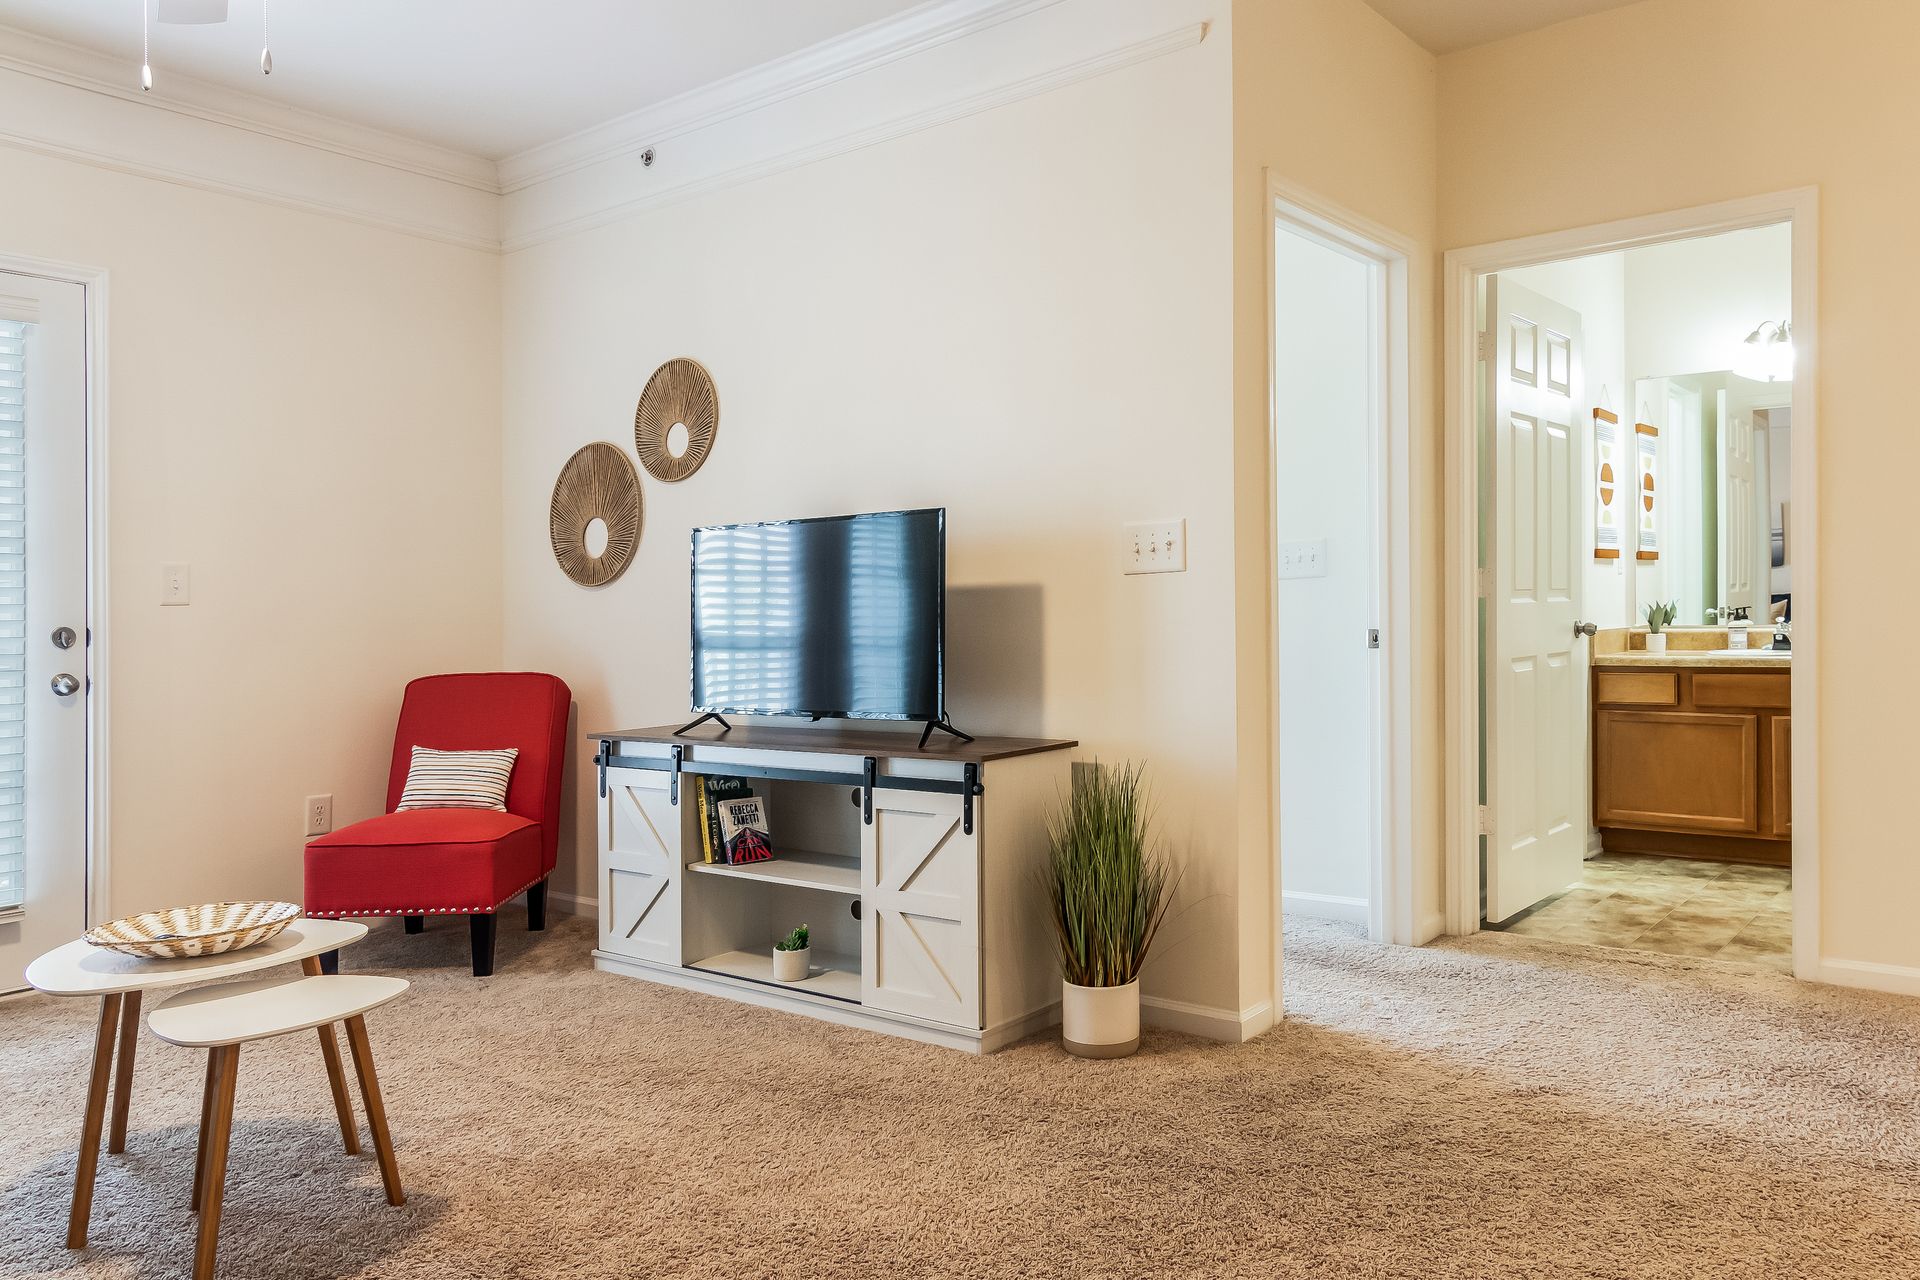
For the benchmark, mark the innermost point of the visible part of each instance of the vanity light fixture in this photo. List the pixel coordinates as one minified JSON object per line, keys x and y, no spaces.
{"x":1766,"y":355}
{"x":194,"y":13}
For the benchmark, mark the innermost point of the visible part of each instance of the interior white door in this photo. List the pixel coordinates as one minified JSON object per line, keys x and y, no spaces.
{"x":1743,"y":574}
{"x":43,"y":589}
{"x":920,"y":908}
{"x":1536,"y":682}
{"x":640,"y":840}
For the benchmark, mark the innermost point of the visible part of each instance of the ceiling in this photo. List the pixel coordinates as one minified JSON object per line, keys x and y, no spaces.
{"x":485,"y":77}
{"x":1444,"y":26}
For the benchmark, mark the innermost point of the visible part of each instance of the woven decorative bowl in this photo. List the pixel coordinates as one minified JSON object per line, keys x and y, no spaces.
{"x":209,"y":930}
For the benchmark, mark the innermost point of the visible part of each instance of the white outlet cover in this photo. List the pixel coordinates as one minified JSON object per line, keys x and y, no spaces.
{"x":1154,"y":546}
{"x":1306,"y":559}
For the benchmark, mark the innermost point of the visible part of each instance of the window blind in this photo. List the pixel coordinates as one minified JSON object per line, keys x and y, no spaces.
{"x":13,"y":611}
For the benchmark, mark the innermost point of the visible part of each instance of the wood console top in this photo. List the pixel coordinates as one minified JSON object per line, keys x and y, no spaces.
{"x":849,"y":742}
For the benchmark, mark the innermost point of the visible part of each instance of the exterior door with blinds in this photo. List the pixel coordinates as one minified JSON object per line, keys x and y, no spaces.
{"x":43,"y":621}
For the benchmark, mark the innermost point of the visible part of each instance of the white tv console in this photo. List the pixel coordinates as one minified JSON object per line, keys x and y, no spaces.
{"x":917,"y":871}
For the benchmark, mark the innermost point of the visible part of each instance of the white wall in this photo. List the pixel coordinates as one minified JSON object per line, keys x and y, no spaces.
{"x":1690,"y":302}
{"x":1023,"y":316}
{"x":306,"y":410}
{"x":1323,"y":375}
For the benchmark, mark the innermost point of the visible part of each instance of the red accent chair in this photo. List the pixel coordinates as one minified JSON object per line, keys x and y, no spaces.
{"x":429,"y":862}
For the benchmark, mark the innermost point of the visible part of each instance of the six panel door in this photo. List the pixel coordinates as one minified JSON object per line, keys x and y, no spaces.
{"x":920,"y":909}
{"x":641,"y":866}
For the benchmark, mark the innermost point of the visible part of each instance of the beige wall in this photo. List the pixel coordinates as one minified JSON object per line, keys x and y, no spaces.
{"x":1334,"y":99}
{"x":1023,"y":316}
{"x":307,"y":411}
{"x":1692,"y":101}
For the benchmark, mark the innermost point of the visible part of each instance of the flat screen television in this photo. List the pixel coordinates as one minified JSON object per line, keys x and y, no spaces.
{"x":843,"y":616}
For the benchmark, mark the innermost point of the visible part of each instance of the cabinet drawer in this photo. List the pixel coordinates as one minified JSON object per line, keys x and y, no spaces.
{"x":1677,"y":771}
{"x":1637,"y":688}
{"x":1765,"y":689}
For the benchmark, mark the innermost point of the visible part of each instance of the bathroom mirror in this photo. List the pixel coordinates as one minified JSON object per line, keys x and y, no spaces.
{"x":1724,"y":495}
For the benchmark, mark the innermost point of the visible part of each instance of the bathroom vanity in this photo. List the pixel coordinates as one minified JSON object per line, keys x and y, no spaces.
{"x":1693,"y":748}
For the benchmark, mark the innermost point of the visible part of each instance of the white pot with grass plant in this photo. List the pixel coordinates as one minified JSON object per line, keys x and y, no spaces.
{"x":1109,"y":882}
{"x":792,"y":956}
{"x":1659,"y":618}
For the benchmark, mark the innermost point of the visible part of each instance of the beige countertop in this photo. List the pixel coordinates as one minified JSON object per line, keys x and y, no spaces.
{"x":1764,"y":661}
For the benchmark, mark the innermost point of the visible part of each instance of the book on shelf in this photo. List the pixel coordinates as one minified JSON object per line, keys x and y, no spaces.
{"x":700,"y":809}
{"x":745,"y":835}
{"x":712,"y":791}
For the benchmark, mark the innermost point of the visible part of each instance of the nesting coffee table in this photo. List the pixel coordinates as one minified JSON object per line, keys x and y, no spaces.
{"x":81,"y":969}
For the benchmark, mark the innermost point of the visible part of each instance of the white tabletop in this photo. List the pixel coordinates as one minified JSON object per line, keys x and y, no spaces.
{"x":82,"y":969}
{"x":238,"y":1012}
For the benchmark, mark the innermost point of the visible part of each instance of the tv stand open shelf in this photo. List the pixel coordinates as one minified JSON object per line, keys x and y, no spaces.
{"x":915,"y":868}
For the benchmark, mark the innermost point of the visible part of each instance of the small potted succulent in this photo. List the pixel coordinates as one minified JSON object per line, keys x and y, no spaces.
{"x":1108,"y":881}
{"x":791,"y":956}
{"x":1659,"y":618}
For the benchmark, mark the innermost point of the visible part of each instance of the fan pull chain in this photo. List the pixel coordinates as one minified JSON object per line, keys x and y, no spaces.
{"x":146,"y":53}
{"x":266,"y":43}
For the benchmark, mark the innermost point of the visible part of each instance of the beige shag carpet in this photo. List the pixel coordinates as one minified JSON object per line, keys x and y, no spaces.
{"x":1497,"y":1107}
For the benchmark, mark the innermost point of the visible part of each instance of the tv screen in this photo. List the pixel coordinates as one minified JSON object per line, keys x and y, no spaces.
{"x":842,"y":616}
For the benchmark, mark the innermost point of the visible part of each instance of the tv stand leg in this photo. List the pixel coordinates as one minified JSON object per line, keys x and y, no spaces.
{"x":944,"y":727}
{"x":695,"y":724}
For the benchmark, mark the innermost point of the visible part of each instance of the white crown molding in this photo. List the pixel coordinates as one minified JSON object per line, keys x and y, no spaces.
{"x":62,"y":63}
{"x":917,"y":30}
{"x":541,"y":230}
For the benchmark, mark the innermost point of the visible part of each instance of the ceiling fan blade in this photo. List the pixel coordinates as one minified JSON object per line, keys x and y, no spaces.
{"x":193,"y":12}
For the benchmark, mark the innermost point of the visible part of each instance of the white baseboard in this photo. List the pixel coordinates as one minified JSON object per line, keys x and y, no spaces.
{"x":1431,"y":926}
{"x":1895,"y":979}
{"x":1594,"y":847}
{"x":1324,"y":906}
{"x":1204,"y":1020}
{"x":573,"y":904}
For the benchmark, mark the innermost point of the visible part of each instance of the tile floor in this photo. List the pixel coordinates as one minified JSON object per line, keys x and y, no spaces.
{"x":1679,"y":906}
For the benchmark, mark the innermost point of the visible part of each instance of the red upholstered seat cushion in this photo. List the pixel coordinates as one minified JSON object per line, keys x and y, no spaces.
{"x":423,"y":862}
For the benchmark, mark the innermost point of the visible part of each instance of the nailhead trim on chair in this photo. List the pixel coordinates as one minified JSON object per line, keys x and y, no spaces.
{"x":427,"y":911}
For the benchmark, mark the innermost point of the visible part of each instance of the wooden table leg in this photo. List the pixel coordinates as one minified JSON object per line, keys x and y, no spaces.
{"x":376,"y":1109}
{"x":208,"y":1242}
{"x":209,"y":1099}
{"x":336,"y":1074}
{"x":89,"y":1156}
{"x":123,"y":1073}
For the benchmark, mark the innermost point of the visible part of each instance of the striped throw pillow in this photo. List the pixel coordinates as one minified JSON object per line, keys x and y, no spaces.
{"x":458,"y":779}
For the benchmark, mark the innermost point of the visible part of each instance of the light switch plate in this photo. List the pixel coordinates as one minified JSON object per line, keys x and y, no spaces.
{"x":1155,"y":546}
{"x":1302,"y":559}
{"x":176,"y":583}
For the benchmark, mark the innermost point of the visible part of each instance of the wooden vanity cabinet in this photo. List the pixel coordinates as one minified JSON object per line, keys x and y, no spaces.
{"x":1693,"y":761}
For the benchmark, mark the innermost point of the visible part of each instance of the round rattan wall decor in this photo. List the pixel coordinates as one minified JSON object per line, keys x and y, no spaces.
{"x":598,"y":483}
{"x":679,"y":395}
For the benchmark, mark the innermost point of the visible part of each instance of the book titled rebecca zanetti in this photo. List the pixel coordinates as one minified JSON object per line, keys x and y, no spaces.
{"x":744,"y":834}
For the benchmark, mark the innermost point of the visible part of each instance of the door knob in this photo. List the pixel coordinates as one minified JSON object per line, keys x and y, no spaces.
{"x":64,"y":684}
{"x":1584,"y":628}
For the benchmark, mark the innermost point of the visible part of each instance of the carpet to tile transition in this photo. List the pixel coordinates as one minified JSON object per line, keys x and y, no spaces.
{"x":1494,"y":1107}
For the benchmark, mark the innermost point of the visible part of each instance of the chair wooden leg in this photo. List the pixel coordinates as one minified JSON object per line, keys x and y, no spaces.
{"x":211,"y":1195}
{"x":376,"y":1109}
{"x":537,"y":907}
{"x":89,"y":1156}
{"x":209,"y":1100}
{"x":123,"y":1072}
{"x":415,"y":924}
{"x":483,"y":927}
{"x":336,"y":1075}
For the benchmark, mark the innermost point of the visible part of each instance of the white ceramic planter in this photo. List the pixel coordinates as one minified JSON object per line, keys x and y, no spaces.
{"x":1657,"y":642}
{"x":791,"y":966}
{"x":1100,"y":1022}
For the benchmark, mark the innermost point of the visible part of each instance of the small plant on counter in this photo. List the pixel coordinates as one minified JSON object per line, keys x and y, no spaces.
{"x":1661,"y":616}
{"x":795,"y":941}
